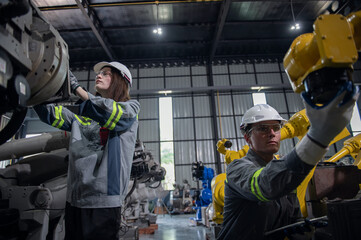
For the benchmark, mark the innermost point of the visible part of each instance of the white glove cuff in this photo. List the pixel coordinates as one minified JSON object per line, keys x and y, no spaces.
{"x":310,"y":152}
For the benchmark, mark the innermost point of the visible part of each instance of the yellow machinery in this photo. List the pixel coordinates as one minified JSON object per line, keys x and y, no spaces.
{"x":351,"y":147}
{"x":231,"y":155}
{"x":297,"y":126}
{"x":320,"y":63}
{"x":217,"y":185}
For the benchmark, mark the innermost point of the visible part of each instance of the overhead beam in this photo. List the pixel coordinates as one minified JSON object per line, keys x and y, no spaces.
{"x":219,"y":27}
{"x":284,"y":1}
{"x":140,"y":27}
{"x":160,"y":61}
{"x":124,"y":3}
{"x":204,"y":25}
{"x":148,"y":44}
{"x":93,"y":22}
{"x":179,"y":43}
{"x":257,"y":39}
{"x":254,"y":88}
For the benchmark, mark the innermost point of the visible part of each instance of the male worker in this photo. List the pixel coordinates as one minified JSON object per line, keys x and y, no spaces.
{"x":259,"y":190}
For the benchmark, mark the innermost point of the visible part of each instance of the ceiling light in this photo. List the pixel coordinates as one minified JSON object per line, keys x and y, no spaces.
{"x":157,"y":31}
{"x":256,"y":88}
{"x":295,"y":26}
{"x":260,"y":88}
{"x":165,"y":92}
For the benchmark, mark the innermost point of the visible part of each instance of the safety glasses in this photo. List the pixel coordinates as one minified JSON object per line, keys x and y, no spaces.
{"x":103,"y":73}
{"x":266,"y":128}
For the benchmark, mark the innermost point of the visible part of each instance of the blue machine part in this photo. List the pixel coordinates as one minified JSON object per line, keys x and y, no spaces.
{"x":206,"y":193}
{"x":205,"y":197}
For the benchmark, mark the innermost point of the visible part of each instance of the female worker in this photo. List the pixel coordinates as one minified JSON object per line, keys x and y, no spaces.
{"x":101,"y":149}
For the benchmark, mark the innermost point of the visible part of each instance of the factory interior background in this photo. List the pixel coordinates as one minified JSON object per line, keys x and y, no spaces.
{"x":197,"y":66}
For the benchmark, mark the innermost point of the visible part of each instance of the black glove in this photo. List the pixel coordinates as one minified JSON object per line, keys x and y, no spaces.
{"x":73,"y":82}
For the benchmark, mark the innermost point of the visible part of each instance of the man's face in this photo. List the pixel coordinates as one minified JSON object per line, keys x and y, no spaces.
{"x":264,"y":137}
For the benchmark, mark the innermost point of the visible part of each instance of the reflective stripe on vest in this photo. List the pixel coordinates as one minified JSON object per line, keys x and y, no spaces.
{"x":114,"y":117}
{"x":87,"y":121}
{"x":59,"y":121}
{"x":226,"y":175}
{"x":255,"y":187}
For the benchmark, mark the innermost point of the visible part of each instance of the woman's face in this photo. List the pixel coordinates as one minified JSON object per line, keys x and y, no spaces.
{"x":102,"y":81}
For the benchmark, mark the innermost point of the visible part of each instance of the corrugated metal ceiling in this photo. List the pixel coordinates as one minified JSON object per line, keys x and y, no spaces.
{"x":192,"y":30}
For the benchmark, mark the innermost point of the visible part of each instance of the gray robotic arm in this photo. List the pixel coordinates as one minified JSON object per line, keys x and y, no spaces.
{"x":34,"y":62}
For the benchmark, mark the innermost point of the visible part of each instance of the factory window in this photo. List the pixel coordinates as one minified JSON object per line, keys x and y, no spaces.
{"x":166,"y":138}
{"x":355,"y":121}
{"x":259,"y":98}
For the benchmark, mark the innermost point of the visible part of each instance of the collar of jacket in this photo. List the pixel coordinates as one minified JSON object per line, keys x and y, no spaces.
{"x":252,"y":155}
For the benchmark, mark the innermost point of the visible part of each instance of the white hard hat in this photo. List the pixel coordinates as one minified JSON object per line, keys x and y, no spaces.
{"x":122,"y":69}
{"x":259,"y":113}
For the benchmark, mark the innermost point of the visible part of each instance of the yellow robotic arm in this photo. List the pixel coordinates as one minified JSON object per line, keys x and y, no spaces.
{"x":217,"y":185}
{"x":319,"y":64}
{"x":333,"y":45}
{"x":298,"y":125}
{"x":229,"y":154}
{"x":351,"y":147}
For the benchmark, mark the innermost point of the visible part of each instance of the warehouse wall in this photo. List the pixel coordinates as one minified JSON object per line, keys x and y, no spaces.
{"x":193,"y":123}
{"x":197,"y":90}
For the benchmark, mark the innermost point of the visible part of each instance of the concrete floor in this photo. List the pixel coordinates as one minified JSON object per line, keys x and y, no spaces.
{"x":177,"y":227}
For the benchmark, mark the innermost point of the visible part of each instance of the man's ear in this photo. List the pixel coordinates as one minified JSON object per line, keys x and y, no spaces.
{"x":247,"y":138}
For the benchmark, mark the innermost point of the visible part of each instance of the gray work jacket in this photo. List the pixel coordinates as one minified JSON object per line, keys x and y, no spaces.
{"x":260,"y":197}
{"x":98,"y":174}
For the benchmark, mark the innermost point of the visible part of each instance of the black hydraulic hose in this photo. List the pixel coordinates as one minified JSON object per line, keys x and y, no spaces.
{"x":156,"y":186}
{"x":131,"y":190}
{"x":13,"y":125}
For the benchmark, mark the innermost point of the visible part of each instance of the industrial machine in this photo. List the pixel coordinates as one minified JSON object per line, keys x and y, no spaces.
{"x":351,"y":147}
{"x":181,"y":198}
{"x":202,"y":197}
{"x":217,"y":186}
{"x":335,"y":179}
{"x":319,"y":64}
{"x":146,"y":177}
{"x":33,"y":191}
{"x":34,"y":66}
{"x":34,"y":63}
